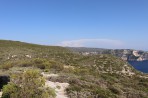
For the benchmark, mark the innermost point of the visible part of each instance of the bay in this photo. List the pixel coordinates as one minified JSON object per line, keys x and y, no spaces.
{"x":140,"y":65}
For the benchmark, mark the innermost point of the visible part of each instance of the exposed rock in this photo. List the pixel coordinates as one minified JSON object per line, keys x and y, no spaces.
{"x":49,"y":75}
{"x":135,"y":53}
{"x":127,"y":71}
{"x":28,"y":56}
{"x":124,"y":57}
{"x":13,"y":56}
{"x":125,"y":54}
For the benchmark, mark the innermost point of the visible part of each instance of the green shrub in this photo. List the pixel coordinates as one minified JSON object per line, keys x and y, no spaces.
{"x":115,"y":90}
{"x":25,"y":64}
{"x":68,"y":70}
{"x":74,"y":88}
{"x":7,"y":65}
{"x":102,"y":93}
{"x":29,"y":84}
{"x":41,"y":63}
{"x":58,"y":67}
{"x":10,"y":90}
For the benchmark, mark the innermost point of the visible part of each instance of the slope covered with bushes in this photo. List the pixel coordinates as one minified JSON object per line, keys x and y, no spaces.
{"x":89,"y":76}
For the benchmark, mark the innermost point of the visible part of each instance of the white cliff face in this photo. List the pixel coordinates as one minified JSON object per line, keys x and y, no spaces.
{"x":135,"y":53}
{"x":141,"y":58}
{"x":124,"y":57}
{"x":125,"y":52}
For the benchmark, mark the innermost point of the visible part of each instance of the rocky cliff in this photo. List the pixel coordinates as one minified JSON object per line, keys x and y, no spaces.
{"x":125,"y":54}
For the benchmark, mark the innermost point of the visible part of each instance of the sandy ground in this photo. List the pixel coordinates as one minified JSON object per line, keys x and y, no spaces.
{"x":0,"y":94}
{"x":59,"y":87}
{"x":49,"y":75}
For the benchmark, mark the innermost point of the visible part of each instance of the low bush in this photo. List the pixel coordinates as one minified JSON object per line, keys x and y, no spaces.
{"x":41,"y":63}
{"x":115,"y":90}
{"x":29,"y":84}
{"x":6,"y":66}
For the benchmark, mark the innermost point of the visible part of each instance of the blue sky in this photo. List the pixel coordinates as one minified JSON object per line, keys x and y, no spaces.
{"x":83,"y":23}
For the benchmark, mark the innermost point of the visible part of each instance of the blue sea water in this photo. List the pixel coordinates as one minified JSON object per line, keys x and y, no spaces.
{"x":140,"y":65}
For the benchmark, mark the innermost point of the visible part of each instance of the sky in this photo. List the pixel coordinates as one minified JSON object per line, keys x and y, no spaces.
{"x":114,"y":24}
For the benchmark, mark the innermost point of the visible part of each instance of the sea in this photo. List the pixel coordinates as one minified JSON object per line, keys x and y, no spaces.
{"x":140,"y":65}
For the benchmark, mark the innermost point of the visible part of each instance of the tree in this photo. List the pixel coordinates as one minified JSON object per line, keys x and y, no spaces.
{"x":29,"y":84}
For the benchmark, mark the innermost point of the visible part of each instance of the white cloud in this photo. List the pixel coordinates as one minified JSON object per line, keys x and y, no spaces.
{"x":100,"y":43}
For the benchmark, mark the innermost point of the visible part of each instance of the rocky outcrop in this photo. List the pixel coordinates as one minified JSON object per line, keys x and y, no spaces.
{"x":125,"y":54}
{"x":135,"y":55}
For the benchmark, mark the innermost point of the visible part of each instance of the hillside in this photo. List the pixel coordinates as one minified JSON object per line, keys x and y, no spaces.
{"x":89,"y":76}
{"x":125,"y":54}
{"x":14,"y":50}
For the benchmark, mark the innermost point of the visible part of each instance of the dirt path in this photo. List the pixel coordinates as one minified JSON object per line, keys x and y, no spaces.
{"x":59,"y":87}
